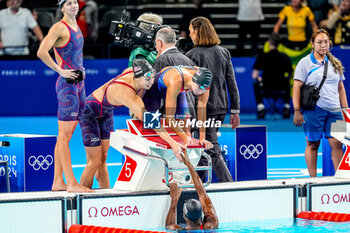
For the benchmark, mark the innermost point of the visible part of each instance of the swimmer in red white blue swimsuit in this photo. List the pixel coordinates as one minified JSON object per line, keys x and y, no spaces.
{"x":197,"y":214}
{"x":97,"y":118}
{"x":71,"y":97}
{"x":67,"y":40}
{"x":171,"y":81}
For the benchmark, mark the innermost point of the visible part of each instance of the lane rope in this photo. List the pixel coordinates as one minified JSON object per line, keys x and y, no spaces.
{"x":325,"y":216}
{"x":76,"y":228}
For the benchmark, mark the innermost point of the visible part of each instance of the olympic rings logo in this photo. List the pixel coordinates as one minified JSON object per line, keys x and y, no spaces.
{"x":40,"y":162}
{"x":251,"y":151}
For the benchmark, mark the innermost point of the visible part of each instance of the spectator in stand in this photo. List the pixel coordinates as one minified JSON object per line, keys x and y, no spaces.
{"x":339,"y":22}
{"x":249,"y":17}
{"x":207,"y":53}
{"x":140,"y":52}
{"x":45,"y":19}
{"x":276,"y":70}
{"x":335,"y":4}
{"x":319,"y":8}
{"x":297,"y":15}
{"x":14,"y":24}
{"x":87,"y":19}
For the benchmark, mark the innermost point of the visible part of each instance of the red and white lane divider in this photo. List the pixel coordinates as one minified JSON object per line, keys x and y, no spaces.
{"x":96,"y":229}
{"x":325,"y":216}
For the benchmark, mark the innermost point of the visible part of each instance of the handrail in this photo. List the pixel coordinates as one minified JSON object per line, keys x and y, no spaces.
{"x":169,"y":171}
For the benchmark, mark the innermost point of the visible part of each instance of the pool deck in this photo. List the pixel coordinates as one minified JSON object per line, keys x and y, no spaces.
{"x":236,"y":201}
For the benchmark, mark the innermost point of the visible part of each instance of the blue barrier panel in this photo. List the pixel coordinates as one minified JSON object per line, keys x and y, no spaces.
{"x":30,"y":161}
{"x":245,"y":150}
{"x":243,"y":67}
{"x":28,"y":87}
{"x":251,"y":153}
{"x":327,"y":163}
{"x":15,"y":159}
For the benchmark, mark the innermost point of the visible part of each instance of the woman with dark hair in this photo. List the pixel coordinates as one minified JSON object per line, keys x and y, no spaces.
{"x":317,"y":122}
{"x":207,"y":53}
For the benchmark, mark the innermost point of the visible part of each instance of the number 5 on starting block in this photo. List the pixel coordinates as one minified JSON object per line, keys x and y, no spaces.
{"x":128,"y":169}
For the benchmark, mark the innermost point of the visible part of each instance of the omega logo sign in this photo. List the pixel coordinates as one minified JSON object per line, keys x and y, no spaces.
{"x":94,"y":212}
{"x":327,"y":199}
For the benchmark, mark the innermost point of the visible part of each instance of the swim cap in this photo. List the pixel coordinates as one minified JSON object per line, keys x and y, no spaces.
{"x":141,"y":67}
{"x":61,"y":3}
{"x":193,"y":209}
{"x":202,"y":77}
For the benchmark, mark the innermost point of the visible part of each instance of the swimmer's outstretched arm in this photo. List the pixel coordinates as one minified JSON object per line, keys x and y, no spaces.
{"x":202,"y":116}
{"x":210,"y":218}
{"x":175,"y":194}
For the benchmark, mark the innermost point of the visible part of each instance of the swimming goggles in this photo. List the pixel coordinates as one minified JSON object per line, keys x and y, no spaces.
{"x":149,"y":73}
{"x":203,"y":87}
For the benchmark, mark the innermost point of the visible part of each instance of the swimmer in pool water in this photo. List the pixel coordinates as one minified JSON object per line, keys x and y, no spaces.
{"x":198,"y":214}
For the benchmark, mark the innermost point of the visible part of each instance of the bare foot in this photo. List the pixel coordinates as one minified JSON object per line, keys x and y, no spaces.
{"x":59,"y":186}
{"x":78,"y":188}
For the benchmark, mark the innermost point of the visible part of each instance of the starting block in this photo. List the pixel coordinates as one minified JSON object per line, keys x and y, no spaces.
{"x":341,"y":131}
{"x":149,"y":161}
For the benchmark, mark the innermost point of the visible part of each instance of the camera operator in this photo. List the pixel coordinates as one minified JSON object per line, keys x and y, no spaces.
{"x":141,"y":52}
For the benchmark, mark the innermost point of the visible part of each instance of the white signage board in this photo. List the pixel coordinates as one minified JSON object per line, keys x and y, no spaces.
{"x":330,"y":198}
{"x":254,"y":204}
{"x":149,"y":211}
{"x":133,"y":212}
{"x":37,"y":216}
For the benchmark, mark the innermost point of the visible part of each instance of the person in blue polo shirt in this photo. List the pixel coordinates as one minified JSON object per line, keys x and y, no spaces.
{"x":317,"y":121}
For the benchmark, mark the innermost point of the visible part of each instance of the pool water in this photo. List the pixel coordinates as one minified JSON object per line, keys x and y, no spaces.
{"x":282,"y":225}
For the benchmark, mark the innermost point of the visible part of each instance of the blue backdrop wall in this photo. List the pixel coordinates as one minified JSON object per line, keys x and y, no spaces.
{"x":28,"y":87}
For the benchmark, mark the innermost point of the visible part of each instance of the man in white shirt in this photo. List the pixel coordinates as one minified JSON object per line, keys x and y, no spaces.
{"x":14,"y":24}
